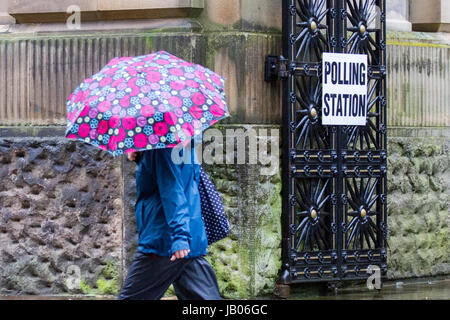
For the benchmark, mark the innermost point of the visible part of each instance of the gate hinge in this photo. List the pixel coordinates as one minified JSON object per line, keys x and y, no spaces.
{"x":275,"y":67}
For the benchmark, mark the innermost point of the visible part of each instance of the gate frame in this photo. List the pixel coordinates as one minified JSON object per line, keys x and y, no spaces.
{"x":282,"y":68}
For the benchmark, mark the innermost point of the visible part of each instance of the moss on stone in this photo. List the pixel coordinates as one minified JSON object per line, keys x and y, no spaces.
{"x":107,"y":287}
{"x":229,"y":263}
{"x":418,"y":207}
{"x":170,"y":292}
{"x":86,"y":288}
{"x":108,"y":282}
{"x":247,"y":262}
{"x":149,"y":41}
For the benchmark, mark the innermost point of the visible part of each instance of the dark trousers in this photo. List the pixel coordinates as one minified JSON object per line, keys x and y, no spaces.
{"x":149,"y":277}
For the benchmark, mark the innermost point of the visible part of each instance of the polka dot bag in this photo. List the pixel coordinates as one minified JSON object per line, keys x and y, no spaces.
{"x":213,"y":213}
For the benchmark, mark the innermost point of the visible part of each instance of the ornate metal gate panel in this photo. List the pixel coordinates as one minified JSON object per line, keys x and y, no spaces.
{"x":334,"y":177}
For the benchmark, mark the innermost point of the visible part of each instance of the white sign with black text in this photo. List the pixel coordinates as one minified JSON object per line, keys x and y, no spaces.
{"x":344,"y":89}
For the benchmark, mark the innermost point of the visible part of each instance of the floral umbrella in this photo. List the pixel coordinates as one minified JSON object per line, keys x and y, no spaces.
{"x":146,"y":102}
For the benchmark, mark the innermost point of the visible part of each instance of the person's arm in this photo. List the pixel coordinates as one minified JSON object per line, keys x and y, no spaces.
{"x":174,"y":201}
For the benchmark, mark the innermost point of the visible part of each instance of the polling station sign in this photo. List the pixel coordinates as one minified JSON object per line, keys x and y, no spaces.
{"x":344,"y":89}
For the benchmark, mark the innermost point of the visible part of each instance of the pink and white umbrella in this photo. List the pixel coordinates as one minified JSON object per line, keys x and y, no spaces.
{"x":146,"y":102}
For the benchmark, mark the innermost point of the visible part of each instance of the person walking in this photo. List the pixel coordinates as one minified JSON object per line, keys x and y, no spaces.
{"x":151,"y":104}
{"x":172,"y":237}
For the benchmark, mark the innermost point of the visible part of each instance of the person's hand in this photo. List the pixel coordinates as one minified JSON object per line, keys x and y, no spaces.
{"x":180,"y":254}
{"x":131,"y":156}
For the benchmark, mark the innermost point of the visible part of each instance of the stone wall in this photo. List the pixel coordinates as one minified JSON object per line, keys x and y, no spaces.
{"x":30,"y":64}
{"x":418,"y":203}
{"x":247,"y":263}
{"x":60,"y":217}
{"x":67,"y":213}
{"x":418,"y":73}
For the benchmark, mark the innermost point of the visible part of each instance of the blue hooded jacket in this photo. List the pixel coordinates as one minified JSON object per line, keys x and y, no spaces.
{"x":168,"y":211}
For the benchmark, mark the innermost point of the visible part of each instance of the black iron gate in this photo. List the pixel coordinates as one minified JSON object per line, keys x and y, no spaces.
{"x":334,"y":177}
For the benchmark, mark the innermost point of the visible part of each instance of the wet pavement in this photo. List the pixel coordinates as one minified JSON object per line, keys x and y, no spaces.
{"x":436,"y":289}
{"x":398,"y":290}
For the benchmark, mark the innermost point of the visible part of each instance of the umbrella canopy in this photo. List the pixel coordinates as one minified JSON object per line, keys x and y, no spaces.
{"x":146,"y":102}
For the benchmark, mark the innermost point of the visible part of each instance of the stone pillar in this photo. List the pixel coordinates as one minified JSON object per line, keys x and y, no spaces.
{"x":243,"y":15}
{"x":398,"y":15}
{"x":5,"y":18}
{"x":431,"y":15}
